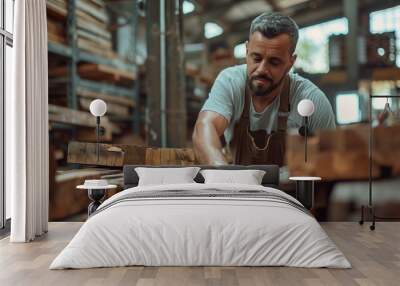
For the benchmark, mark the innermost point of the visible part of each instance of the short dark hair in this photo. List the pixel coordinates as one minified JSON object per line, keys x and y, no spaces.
{"x":274,"y":24}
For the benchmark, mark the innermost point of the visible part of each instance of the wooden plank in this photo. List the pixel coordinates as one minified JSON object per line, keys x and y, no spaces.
{"x":122,"y":100}
{"x":112,"y":108}
{"x":116,"y":155}
{"x":97,"y":72}
{"x":93,"y":71}
{"x":170,"y":156}
{"x":83,"y":17}
{"x":185,"y":156}
{"x":96,"y":39}
{"x":75,"y":117}
{"x":66,"y":199}
{"x":386,"y":143}
{"x":386,"y":74}
{"x":80,"y":118}
{"x":94,"y":49}
{"x":342,"y":154}
{"x":165,"y":156}
{"x":55,"y":27}
{"x":153,"y":156}
{"x":92,"y":10}
{"x":57,"y":39}
{"x":56,"y":11}
{"x":91,"y":28}
{"x":56,"y":32}
{"x":99,"y":3}
{"x":334,"y":77}
{"x":105,"y":88}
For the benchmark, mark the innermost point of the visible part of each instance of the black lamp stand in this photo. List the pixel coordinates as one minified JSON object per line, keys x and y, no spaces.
{"x":97,"y":137}
{"x":370,"y":207}
{"x":305,"y":134}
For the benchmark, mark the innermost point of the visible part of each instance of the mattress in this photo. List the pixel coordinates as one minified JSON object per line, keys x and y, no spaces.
{"x":201,"y":225}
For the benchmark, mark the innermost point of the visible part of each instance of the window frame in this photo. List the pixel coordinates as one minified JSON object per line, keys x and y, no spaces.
{"x":6,"y":39}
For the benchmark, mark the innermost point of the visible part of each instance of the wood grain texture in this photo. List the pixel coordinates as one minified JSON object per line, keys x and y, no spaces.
{"x":375,"y":257}
{"x":118,"y":155}
{"x":342,"y":154}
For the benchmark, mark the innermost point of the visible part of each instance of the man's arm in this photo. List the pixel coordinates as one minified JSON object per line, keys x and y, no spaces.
{"x":206,"y":138}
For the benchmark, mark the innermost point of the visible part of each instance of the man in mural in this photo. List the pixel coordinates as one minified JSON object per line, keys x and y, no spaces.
{"x":251,"y":106}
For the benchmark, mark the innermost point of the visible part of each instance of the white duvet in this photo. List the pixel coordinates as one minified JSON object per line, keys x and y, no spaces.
{"x":200,"y":231}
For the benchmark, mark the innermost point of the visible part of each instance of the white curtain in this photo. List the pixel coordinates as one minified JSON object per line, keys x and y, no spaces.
{"x":27,"y":168}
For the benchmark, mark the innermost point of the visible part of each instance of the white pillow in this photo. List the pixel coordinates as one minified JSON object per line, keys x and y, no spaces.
{"x":248,"y":177}
{"x":162,"y":176}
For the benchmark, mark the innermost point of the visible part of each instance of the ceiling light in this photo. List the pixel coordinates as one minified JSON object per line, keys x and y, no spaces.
{"x":212,"y":30}
{"x":188,"y":7}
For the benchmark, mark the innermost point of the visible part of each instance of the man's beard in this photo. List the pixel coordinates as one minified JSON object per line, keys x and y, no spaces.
{"x":259,"y":90}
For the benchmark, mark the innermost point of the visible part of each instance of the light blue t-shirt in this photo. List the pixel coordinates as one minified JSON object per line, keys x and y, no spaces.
{"x":227,"y":98}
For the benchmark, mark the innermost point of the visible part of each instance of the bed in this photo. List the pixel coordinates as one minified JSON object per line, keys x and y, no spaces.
{"x":198,"y":224}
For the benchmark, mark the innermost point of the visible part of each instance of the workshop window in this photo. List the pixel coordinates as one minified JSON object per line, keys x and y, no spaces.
{"x":313,"y":46}
{"x":348,"y":108}
{"x":387,"y":20}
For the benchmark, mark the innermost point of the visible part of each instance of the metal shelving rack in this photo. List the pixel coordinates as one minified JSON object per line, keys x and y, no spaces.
{"x":370,"y":207}
{"x":75,"y":55}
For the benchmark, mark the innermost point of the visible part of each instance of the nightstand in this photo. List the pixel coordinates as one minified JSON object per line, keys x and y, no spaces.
{"x":305,"y":190}
{"x":96,"y":195}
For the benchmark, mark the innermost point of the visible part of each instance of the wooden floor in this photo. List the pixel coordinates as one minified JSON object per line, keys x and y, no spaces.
{"x":375,"y":257}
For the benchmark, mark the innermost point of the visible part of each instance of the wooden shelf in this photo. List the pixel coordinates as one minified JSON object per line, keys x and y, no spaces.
{"x":378,"y":73}
{"x":59,"y":49}
{"x":66,"y":51}
{"x":105,"y":73}
{"x":105,"y":88}
{"x":57,"y":9}
{"x":386,"y":73}
{"x":64,"y":115}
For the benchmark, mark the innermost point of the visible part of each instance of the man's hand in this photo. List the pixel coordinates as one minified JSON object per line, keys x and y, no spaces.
{"x":207,"y":131}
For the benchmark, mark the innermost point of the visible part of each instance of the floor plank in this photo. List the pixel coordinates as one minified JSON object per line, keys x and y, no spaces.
{"x":375,"y":257}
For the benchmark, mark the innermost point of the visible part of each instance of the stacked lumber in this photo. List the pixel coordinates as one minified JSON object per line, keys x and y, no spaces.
{"x":59,"y":114}
{"x":170,"y":156}
{"x":342,"y":154}
{"x":97,"y":72}
{"x":116,"y":105}
{"x":106,"y":73}
{"x":65,"y":199}
{"x":118,"y":155}
{"x":56,"y":20}
{"x":92,"y":28}
{"x":57,"y":9}
{"x":119,"y":106}
{"x":56,"y":32}
{"x":92,"y":23}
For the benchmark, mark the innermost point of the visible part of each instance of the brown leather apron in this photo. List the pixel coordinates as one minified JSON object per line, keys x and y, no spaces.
{"x":259,"y":147}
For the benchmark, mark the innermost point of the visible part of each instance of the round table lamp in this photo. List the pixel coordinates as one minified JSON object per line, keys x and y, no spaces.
{"x":98,"y":108}
{"x":305,"y":108}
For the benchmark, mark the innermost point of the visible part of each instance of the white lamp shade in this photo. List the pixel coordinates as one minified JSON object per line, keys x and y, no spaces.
{"x":305,"y":107}
{"x":98,"y":107}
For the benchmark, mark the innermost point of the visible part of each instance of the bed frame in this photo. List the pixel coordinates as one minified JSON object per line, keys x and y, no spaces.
{"x":270,"y":179}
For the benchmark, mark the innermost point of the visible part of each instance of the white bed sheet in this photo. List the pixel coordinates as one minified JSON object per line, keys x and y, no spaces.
{"x":200,"y":231}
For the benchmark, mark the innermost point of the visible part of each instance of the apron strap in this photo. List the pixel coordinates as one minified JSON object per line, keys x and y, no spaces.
{"x":246,"y":107}
{"x":284,"y":105}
